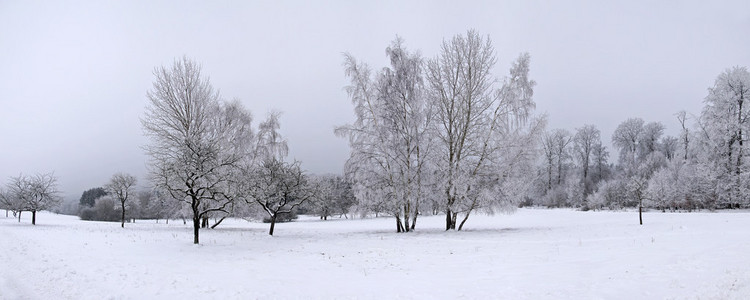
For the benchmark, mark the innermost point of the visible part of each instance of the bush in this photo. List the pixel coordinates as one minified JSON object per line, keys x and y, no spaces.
{"x":282,"y":217}
{"x":103,"y":210}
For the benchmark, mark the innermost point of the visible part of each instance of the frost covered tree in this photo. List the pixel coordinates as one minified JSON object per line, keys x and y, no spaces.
{"x":555,"y":146}
{"x":585,"y":140}
{"x":32,"y":194}
{"x":121,"y":186}
{"x":389,"y":139}
{"x":637,"y":189}
{"x":626,"y":139}
{"x":684,"y":133}
{"x":196,"y":140}
{"x":11,"y":203}
{"x":601,"y":167}
{"x":482,"y":131}
{"x":335,"y":196}
{"x":557,"y":152}
{"x":724,"y":121}
{"x":279,"y":187}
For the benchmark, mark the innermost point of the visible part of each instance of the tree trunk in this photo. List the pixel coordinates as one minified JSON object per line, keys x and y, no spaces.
{"x":640,"y":213}
{"x":33,"y":217}
{"x":19,"y":216}
{"x":273,"y":224}
{"x":464,"y":221}
{"x":414,"y":220}
{"x":218,"y":222}
{"x":447,"y":219}
{"x":196,"y":227}
{"x":406,"y":227}
{"x":122,"y":220}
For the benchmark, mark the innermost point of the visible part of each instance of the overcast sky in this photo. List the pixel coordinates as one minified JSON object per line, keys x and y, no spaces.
{"x":73,"y":75}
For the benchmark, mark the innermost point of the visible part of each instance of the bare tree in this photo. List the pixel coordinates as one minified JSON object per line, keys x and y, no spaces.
{"x":477,"y":124}
{"x":196,"y":140}
{"x":279,"y":188}
{"x":561,"y":138}
{"x":33,"y":194}
{"x":585,"y":139}
{"x":626,"y":138}
{"x":684,"y":134}
{"x":668,"y":146}
{"x":600,"y":155}
{"x":637,"y":187}
{"x":121,"y":186}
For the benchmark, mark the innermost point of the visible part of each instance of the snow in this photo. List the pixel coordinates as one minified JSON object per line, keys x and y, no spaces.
{"x":532,"y":254}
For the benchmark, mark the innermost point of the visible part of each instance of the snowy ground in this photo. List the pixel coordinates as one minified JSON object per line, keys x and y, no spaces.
{"x":532,"y":254}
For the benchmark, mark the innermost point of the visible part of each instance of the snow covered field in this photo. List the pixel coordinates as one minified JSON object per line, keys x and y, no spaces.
{"x":532,"y":254}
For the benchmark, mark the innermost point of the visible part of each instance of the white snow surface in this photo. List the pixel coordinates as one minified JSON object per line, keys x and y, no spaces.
{"x":532,"y":254}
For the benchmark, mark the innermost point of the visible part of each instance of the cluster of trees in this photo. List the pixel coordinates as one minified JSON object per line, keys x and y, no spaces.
{"x":31,"y":194}
{"x":441,"y":134}
{"x":704,"y":167}
{"x":206,"y":156}
{"x":109,"y":203}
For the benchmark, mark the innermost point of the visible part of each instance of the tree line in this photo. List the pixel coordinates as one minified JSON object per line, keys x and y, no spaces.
{"x":704,"y":167}
{"x":441,"y":135}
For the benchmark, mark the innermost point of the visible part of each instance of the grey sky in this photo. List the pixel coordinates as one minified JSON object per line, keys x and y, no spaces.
{"x":73,"y":75}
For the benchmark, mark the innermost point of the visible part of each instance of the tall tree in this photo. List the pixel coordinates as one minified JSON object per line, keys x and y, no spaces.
{"x":389,"y":139}
{"x":684,"y":133}
{"x":196,"y":141}
{"x":475,"y":123}
{"x":584,"y":141}
{"x":626,"y":138}
{"x":121,"y":186}
{"x":725,"y":121}
{"x":601,"y":155}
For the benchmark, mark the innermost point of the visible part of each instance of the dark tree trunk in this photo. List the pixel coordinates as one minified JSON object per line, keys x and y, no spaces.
{"x":218,"y":222}
{"x":33,"y":217}
{"x":448,"y":219}
{"x":122,"y":220}
{"x":196,"y":227}
{"x":19,"y":216}
{"x":406,"y":227}
{"x":461,"y":226}
{"x":273,"y":224}
{"x":399,"y":225}
{"x":204,"y":222}
{"x":640,"y":213}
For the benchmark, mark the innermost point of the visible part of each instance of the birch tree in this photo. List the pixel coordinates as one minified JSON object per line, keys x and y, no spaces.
{"x":389,"y":140}
{"x":196,"y":141}
{"x":476,"y":122}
